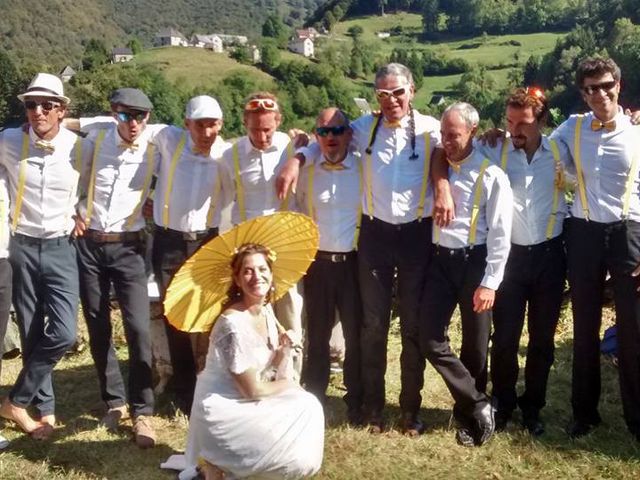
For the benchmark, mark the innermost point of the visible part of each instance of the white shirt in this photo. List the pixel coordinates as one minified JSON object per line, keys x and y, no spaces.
{"x":335,"y":200}
{"x":195,"y":182}
{"x":51,"y":181}
{"x":5,"y":231}
{"x":606,"y":162}
{"x":396,"y":180}
{"x":257,"y":175}
{"x":533,"y":185}
{"x":494,"y":215}
{"x":121,"y":182}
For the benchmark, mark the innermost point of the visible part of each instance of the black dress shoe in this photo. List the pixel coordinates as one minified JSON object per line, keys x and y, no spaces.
{"x":532,"y":423}
{"x":375,"y":424}
{"x":579,"y":428}
{"x":485,"y":424}
{"x":354,"y":417}
{"x":412,"y":426}
{"x":464,"y":437}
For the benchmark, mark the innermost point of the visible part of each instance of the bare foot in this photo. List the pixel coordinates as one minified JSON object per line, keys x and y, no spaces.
{"x":19,"y":416}
{"x":210,"y":471}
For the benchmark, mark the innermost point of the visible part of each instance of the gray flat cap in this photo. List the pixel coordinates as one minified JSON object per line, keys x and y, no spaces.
{"x":132,"y":98}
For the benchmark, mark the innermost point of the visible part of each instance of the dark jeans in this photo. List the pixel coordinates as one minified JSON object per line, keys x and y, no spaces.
{"x":535,"y":275}
{"x":45,"y":278}
{"x":5,"y":301}
{"x":452,"y":278}
{"x":331,"y":286}
{"x":385,"y":249}
{"x":170,"y":250}
{"x":593,"y":249}
{"x":120,"y":263}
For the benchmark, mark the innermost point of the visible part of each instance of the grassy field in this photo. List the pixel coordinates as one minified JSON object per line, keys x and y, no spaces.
{"x":195,"y":67}
{"x":81,"y":450}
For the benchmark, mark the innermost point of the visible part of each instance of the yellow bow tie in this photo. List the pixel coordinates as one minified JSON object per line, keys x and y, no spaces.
{"x":609,"y":126}
{"x":326,"y":165}
{"x":45,"y":146}
{"x":393,"y":124}
{"x":128,"y":145}
{"x":200,"y":151}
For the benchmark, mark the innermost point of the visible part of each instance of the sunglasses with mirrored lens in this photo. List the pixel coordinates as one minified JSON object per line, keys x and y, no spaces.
{"x":261,"y":104}
{"x":381,"y":93}
{"x":126,"y":117}
{"x":604,"y":87}
{"x":335,"y":131}
{"x":46,"y":105}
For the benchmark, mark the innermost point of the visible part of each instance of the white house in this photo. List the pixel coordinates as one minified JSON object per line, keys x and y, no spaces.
{"x":170,"y":38}
{"x":310,"y":32}
{"x":302,"y":46}
{"x":119,"y":55}
{"x":256,"y":55}
{"x":67,"y":73}
{"x":210,"y":42}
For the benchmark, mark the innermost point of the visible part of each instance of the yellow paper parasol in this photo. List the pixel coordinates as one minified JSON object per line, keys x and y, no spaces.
{"x":195,"y":295}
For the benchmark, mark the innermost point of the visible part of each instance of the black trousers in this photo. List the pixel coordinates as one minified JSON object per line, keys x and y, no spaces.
{"x":592,"y":250}
{"x":120,"y":263}
{"x":385,"y":249}
{"x":534,"y":275}
{"x":170,"y":250}
{"x":452,"y":278}
{"x":5,"y":301}
{"x":45,"y":280}
{"x":330,"y":286}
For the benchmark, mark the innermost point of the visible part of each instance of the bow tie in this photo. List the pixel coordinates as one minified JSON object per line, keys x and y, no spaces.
{"x":128,"y":145}
{"x":45,"y":146}
{"x":326,"y":165}
{"x":392,"y":124}
{"x":609,"y":126}
{"x":200,"y":151}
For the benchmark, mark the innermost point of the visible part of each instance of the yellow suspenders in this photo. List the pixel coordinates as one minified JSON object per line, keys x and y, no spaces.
{"x":577,"y":158}
{"x":425,"y":174}
{"x":633,"y":172}
{"x":556,"y":188}
{"x":475,"y":209}
{"x":22,"y":175}
{"x":169,"y":187}
{"x":145,"y":188}
{"x":240,"y":189}
{"x":310,"y":208}
{"x":92,"y":176}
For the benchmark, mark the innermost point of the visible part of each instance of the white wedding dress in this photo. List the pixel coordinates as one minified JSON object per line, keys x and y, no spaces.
{"x":279,"y":436}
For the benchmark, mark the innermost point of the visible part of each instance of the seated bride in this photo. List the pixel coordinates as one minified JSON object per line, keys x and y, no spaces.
{"x":249,"y":417}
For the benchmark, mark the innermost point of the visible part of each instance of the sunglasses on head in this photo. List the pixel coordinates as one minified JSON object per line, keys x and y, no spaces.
{"x":382,"y":93}
{"x":335,"y":131}
{"x":534,"y":92}
{"x":604,"y":87}
{"x":126,"y":117}
{"x":46,"y":105}
{"x":261,"y":104}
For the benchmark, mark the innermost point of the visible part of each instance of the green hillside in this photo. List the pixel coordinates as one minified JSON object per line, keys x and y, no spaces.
{"x":195,"y":67}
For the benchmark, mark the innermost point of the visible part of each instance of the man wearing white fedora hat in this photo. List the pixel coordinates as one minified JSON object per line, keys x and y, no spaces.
{"x":43,"y":168}
{"x":186,"y":213}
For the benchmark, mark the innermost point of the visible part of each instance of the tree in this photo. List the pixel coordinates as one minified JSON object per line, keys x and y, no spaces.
{"x":270,"y":55}
{"x":135,"y":45}
{"x":275,"y":28}
{"x":95,"y":55}
{"x":9,"y":104}
{"x":430,"y":12}
{"x":381,"y":5}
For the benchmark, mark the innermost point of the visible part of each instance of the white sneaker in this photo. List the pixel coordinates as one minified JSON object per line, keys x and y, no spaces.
{"x":4,"y":443}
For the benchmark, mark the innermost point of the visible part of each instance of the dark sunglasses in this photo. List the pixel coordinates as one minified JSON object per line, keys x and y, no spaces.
{"x":46,"y":105}
{"x":336,"y":131}
{"x":382,"y":93}
{"x":126,"y":117}
{"x":604,"y":87}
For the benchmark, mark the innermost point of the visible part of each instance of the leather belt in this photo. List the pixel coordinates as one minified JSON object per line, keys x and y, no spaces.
{"x":113,"y":237}
{"x":335,"y":257}
{"x":188,"y":236}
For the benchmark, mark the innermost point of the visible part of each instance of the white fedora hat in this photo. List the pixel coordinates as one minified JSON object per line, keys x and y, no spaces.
{"x":45,"y":85}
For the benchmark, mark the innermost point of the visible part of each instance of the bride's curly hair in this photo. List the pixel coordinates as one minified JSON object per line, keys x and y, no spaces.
{"x":234,"y":293}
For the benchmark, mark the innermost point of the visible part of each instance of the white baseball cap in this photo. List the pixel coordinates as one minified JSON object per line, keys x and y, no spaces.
{"x":45,"y":85}
{"x":203,"y":106}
